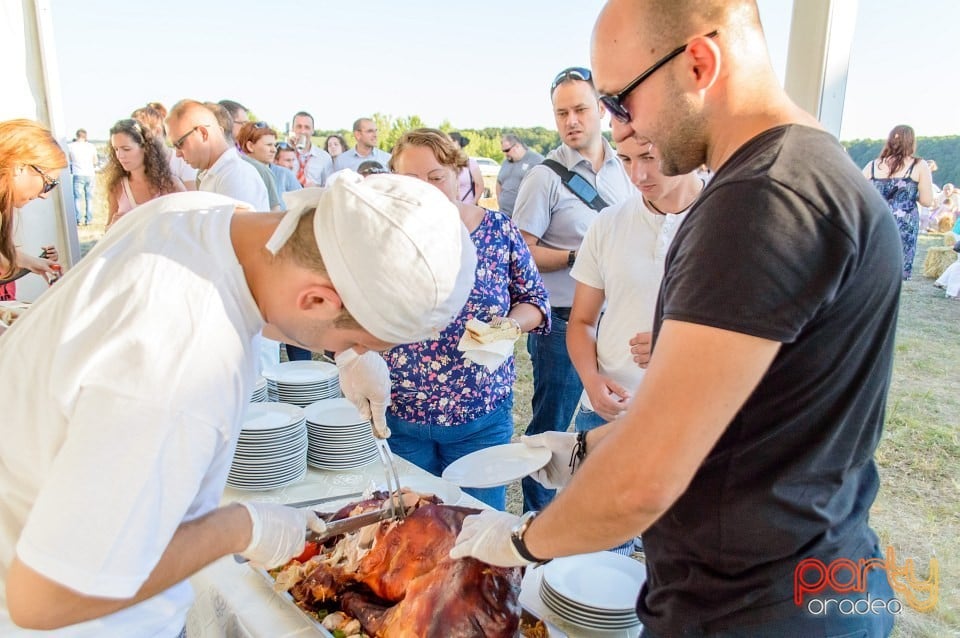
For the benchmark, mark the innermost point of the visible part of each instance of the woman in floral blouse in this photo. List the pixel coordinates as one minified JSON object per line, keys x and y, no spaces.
{"x":444,"y":406}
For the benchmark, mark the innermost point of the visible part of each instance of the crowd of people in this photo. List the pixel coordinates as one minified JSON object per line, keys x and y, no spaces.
{"x":635,"y":273}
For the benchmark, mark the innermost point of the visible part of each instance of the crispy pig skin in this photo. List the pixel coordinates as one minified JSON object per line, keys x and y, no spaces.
{"x":456,"y":599}
{"x":407,"y":586}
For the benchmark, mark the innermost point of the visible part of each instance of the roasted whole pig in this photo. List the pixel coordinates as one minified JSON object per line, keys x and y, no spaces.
{"x":397,"y":579}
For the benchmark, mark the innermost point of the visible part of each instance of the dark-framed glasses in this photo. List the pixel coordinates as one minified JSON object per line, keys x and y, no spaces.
{"x":49,"y":183}
{"x":183,"y":138}
{"x":508,"y":149}
{"x":573,"y":72}
{"x":614,"y":103}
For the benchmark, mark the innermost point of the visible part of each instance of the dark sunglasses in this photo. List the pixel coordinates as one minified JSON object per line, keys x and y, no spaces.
{"x":49,"y":183}
{"x":614,"y":103}
{"x":283,"y":146}
{"x":574,"y":72}
{"x":183,"y":138}
{"x":508,"y":149}
{"x":373,"y":170}
{"x":260,"y":125}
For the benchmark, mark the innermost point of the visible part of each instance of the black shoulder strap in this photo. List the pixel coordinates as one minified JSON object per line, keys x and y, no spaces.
{"x":591,"y":197}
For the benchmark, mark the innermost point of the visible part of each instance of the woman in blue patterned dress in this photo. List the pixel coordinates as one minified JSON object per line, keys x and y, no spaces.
{"x":444,"y":406}
{"x":903,"y":179}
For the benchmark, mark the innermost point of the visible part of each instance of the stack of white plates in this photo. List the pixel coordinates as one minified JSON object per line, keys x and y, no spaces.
{"x":302,"y":382}
{"x":272,"y":449}
{"x":340,"y":439}
{"x":259,"y":391}
{"x":596,"y":590}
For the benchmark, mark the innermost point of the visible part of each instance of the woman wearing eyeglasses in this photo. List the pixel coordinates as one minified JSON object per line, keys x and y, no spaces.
{"x":443,"y":406}
{"x":137,"y":169}
{"x":30,"y":162}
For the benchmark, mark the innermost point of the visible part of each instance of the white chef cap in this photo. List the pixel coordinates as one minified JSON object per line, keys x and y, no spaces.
{"x":394,"y":248}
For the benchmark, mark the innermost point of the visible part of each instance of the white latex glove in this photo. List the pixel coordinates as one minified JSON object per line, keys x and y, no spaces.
{"x":557,"y":472}
{"x":365,"y":380}
{"x":486,"y":537}
{"x":278,"y":533}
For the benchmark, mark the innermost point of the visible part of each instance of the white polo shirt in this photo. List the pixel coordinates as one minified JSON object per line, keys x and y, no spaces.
{"x":230,"y":175}
{"x":623,"y":255}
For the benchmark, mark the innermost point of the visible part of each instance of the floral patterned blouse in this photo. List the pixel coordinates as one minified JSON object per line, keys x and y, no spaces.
{"x":432,"y":382}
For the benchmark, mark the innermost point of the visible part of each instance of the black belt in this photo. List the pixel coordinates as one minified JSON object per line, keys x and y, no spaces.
{"x":563,"y":313}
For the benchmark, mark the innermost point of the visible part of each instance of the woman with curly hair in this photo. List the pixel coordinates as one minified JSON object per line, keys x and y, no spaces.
{"x":903,"y":179}
{"x":30,"y":165}
{"x":137,"y":169}
{"x":152,"y":116}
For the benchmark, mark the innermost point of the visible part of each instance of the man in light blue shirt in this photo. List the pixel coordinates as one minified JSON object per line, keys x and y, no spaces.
{"x":365,"y":132}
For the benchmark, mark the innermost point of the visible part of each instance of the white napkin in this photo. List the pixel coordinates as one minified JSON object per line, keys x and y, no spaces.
{"x":491,"y":354}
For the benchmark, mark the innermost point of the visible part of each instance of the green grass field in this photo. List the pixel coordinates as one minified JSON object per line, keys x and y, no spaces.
{"x":918,"y":509}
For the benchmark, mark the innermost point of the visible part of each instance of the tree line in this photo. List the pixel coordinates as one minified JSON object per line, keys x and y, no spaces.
{"x":485,"y":142}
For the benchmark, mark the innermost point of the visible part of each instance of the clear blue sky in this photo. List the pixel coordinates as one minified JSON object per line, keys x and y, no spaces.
{"x":475,"y":64}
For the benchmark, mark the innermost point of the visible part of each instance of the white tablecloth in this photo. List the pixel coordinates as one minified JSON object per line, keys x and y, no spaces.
{"x":235,"y":601}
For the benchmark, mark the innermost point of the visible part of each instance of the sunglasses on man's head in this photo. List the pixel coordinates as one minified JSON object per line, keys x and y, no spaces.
{"x":283,"y":146}
{"x":573,"y":72}
{"x":49,"y":183}
{"x":614,"y":103}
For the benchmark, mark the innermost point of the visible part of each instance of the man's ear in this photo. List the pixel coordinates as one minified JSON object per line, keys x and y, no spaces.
{"x":703,"y":58}
{"x":321,"y":300}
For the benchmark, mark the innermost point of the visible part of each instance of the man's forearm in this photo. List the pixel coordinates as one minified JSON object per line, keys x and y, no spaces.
{"x":194,"y":545}
{"x":550,"y":259}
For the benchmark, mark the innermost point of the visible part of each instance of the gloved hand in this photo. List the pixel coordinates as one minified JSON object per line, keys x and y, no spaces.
{"x":365,"y":380}
{"x":486,"y":536}
{"x":558,"y":471}
{"x":278,"y":532}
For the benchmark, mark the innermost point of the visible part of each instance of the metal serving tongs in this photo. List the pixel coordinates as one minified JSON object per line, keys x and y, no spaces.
{"x":393,"y":478}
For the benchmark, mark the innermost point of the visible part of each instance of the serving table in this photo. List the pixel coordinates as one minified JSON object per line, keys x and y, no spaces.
{"x":235,"y":601}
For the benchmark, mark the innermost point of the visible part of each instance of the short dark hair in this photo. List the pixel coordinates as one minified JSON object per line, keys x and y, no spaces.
{"x":359,"y":121}
{"x":313,"y":122}
{"x":232,"y":107}
{"x":513,"y":139}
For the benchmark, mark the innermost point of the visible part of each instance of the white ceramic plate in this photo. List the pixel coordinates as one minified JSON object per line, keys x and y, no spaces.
{"x":497,"y":465}
{"x":270,"y":416}
{"x":301,"y":372}
{"x":601,"y":580}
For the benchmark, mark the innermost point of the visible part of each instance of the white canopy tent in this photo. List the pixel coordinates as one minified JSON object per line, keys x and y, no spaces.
{"x":821,"y":35}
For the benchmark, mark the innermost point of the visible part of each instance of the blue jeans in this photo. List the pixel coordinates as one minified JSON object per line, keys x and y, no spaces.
{"x":83,"y":193}
{"x":556,"y":392}
{"x":833,"y":624}
{"x":295,"y":353}
{"x":434,"y":447}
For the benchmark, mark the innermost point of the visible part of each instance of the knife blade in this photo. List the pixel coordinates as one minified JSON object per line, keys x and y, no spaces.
{"x":325,"y":499}
{"x":350,"y":524}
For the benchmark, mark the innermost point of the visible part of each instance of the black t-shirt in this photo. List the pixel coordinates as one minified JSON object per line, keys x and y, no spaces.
{"x":790,"y":243}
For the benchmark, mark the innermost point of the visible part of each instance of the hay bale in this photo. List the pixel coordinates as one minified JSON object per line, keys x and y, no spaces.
{"x":938,"y":260}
